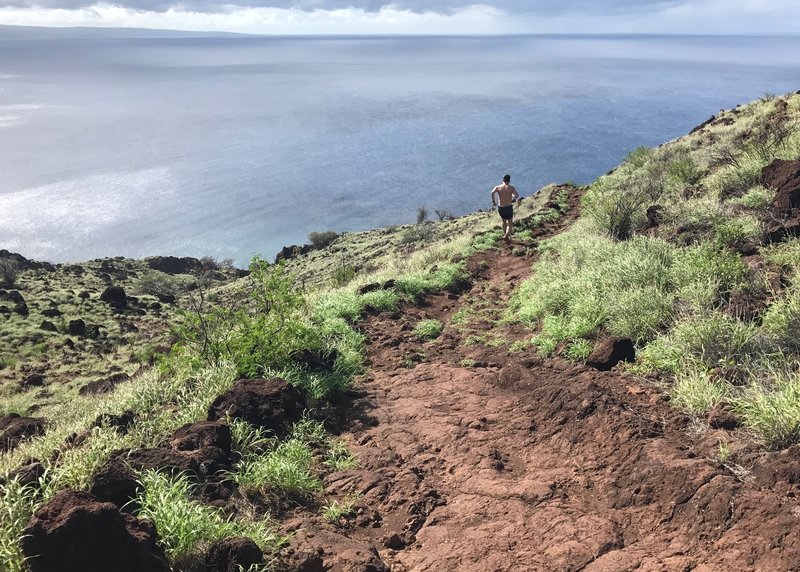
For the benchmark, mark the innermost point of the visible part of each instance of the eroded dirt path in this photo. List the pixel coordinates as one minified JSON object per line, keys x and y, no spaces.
{"x":473,"y":458}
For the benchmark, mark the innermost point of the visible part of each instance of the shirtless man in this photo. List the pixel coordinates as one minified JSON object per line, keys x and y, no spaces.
{"x":506,"y":195}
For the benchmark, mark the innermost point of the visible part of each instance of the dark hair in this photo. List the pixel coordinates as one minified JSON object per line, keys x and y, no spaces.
{"x":507,"y":179}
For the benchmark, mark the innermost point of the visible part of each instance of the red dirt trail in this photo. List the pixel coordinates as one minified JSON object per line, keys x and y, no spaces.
{"x":477,"y":459}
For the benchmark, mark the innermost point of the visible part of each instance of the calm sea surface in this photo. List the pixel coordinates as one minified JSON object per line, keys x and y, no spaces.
{"x":239,"y":145}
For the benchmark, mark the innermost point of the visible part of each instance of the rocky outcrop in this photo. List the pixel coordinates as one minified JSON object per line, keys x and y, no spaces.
{"x":116,"y":483}
{"x":24,"y":263}
{"x":75,"y":531}
{"x":271,"y":404}
{"x":293,"y":251}
{"x":784,"y":177}
{"x":174,"y":265}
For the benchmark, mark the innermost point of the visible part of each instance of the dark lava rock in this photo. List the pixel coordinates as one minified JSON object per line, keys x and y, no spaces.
{"x":269,"y":403}
{"x":16,"y":428}
{"x":24,"y":263}
{"x":13,"y":296}
{"x":76,"y":328}
{"x":195,"y":436}
{"x":166,"y":298}
{"x":610,"y":351}
{"x":52,"y":313}
{"x":293,"y":251}
{"x":372,"y":287}
{"x":161,"y":459}
{"x":33,"y":380}
{"x":74,"y":531}
{"x":121,"y":422}
{"x":233,"y":555}
{"x":48,"y":326}
{"x":116,"y":483}
{"x":84,"y":295}
{"x":115,"y":297}
{"x":104,"y":385}
{"x":128,"y":328}
{"x":722,"y":418}
{"x":784,"y":176}
{"x":28,"y":474}
{"x":173,"y":265}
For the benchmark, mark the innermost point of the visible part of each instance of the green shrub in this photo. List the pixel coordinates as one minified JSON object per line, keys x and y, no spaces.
{"x":157,"y":283}
{"x":322,"y":239}
{"x":428,"y":329}
{"x":264,"y":332}
{"x":339,"y":457}
{"x":735,"y":232}
{"x":17,"y":504}
{"x":343,"y":274}
{"x":757,"y":198}
{"x":380,"y":300}
{"x":773,"y":411}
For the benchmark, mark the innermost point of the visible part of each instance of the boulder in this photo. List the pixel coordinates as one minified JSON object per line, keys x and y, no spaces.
{"x":160,"y":459}
{"x":76,"y":327}
{"x":233,"y":555}
{"x":75,"y":531}
{"x":271,"y":404}
{"x":19,"y":305}
{"x":48,"y":326}
{"x":195,"y":436}
{"x":173,"y":265}
{"x":51,"y":313}
{"x":784,"y":176}
{"x":610,"y":351}
{"x":122,"y":422}
{"x":116,"y":483}
{"x":31,"y":381}
{"x":104,"y":385}
{"x":293,"y":251}
{"x":14,"y":428}
{"x":28,"y":474}
{"x":115,"y":297}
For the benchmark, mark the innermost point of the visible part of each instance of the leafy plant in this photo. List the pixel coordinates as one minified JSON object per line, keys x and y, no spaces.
{"x":428,"y":329}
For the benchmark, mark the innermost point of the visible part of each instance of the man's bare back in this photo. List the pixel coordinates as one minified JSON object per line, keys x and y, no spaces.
{"x":505,"y":193}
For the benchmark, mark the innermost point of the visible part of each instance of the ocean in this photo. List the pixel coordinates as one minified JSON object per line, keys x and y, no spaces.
{"x":231,"y":146}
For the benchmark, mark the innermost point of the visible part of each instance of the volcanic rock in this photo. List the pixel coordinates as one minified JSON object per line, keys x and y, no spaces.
{"x":33,"y":380}
{"x":104,"y":385}
{"x":48,"y":326}
{"x":195,"y":436}
{"x":28,"y":474}
{"x":77,"y":327}
{"x":75,"y":531}
{"x":271,"y":404}
{"x":232,"y":555}
{"x":173,"y":265}
{"x":16,"y":428}
{"x":784,"y":176}
{"x":115,"y":297}
{"x":115,"y":482}
{"x":610,"y":351}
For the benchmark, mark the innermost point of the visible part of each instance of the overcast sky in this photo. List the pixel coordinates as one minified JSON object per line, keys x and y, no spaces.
{"x":416,"y":16}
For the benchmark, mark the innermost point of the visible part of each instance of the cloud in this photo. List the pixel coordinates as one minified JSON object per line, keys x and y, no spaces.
{"x":414,"y":16}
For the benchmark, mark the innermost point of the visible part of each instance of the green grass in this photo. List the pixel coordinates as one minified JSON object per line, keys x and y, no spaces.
{"x":17,"y":504}
{"x":285,"y":470}
{"x":187,"y":527}
{"x":428,"y":329}
{"x":335,"y":510}
{"x":579,"y":350}
{"x":339,"y":457}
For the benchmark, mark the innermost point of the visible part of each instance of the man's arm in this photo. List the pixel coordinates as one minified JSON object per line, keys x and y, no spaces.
{"x":514,"y":193}
{"x":492,"y":194}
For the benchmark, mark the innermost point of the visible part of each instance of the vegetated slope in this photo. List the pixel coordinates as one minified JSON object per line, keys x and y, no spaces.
{"x":466,"y":445}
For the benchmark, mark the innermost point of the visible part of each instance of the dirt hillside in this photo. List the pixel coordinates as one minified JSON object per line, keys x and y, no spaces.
{"x":474,"y":458}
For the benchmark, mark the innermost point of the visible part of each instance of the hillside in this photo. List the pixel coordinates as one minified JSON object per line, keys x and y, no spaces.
{"x":618,"y":390}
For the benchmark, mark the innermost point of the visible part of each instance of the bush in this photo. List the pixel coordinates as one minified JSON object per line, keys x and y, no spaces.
{"x":343,"y":274}
{"x":444,"y":215}
{"x":617,"y":211}
{"x":157,"y":283}
{"x":284,"y":470}
{"x":265,"y":331}
{"x":322,"y":239}
{"x":9,"y":272}
{"x":422,"y":215}
{"x":418,"y":233}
